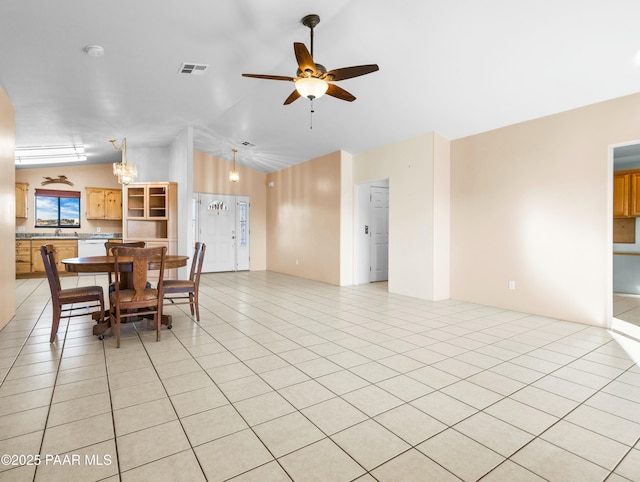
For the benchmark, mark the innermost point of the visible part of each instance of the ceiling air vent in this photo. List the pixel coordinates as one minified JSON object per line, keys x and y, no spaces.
{"x":193,"y":69}
{"x":247,"y":144}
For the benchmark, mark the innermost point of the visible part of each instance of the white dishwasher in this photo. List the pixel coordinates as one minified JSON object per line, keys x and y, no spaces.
{"x":90,"y":247}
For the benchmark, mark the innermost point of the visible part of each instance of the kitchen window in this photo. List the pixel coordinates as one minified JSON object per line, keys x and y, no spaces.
{"x":57,"y":209}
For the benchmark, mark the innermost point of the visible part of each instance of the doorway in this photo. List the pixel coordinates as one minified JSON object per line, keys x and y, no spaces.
{"x":371,"y":237}
{"x":223,"y":225}
{"x":626,"y":242}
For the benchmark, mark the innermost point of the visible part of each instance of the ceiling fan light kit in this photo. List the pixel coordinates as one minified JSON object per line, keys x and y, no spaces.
{"x":313,"y":80}
{"x":311,"y":87}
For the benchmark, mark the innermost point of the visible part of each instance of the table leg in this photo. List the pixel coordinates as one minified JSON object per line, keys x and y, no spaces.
{"x":101,"y":327}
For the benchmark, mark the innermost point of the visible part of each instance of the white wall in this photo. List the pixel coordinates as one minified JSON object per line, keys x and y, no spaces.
{"x":173,"y":163}
{"x":181,"y":171}
{"x":441,"y":217}
{"x":413,"y":167}
{"x":153,"y":163}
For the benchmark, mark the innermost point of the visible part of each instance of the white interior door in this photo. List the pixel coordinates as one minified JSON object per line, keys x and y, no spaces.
{"x":223,"y":225}
{"x":379,"y":248}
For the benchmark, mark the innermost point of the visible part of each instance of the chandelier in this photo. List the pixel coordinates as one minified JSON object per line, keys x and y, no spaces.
{"x":233,"y":175}
{"x":125,"y":172}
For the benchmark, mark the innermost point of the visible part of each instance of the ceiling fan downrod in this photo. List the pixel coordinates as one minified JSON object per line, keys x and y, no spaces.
{"x":311,"y":21}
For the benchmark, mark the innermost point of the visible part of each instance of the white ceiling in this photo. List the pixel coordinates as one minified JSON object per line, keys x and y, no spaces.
{"x":457,"y":67}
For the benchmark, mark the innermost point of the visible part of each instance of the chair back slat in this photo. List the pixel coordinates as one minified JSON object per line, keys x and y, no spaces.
{"x":196,"y":264}
{"x":49,"y":261}
{"x":140,"y":267}
{"x":109,"y":245}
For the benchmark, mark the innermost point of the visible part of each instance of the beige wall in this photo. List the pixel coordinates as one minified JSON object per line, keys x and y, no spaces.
{"x":347,"y":215}
{"x":211,"y":175}
{"x":7,"y":210}
{"x":95,"y":175}
{"x":304,"y":217}
{"x":418,"y":173}
{"x":532,"y":203}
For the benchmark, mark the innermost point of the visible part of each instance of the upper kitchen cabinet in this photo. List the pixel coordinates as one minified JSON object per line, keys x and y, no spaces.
{"x":104,"y":203}
{"x":21,"y":199}
{"x":626,"y":194}
{"x":634,"y":195}
{"x":150,"y":212}
{"x":150,"y":201}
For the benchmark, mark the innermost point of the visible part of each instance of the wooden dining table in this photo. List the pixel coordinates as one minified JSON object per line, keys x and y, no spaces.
{"x":106,"y":264}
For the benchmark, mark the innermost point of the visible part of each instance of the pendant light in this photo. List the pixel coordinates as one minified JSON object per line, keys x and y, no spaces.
{"x":125,"y":172}
{"x":233,"y":175}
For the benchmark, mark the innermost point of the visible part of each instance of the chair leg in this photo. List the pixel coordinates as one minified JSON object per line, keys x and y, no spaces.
{"x":158,"y":319}
{"x":191,"y":304}
{"x":102,"y":310}
{"x":114,"y":319}
{"x":57,"y":312}
{"x":197,"y":306}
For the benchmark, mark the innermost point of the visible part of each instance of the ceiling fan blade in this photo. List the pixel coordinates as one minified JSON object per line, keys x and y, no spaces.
{"x":305,"y":61}
{"x":340,"y":93}
{"x":350,"y":72}
{"x":269,"y":77}
{"x":294,"y":95}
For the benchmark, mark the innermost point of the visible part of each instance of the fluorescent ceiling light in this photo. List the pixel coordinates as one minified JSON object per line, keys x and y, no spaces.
{"x":23,"y":161}
{"x":49,"y":154}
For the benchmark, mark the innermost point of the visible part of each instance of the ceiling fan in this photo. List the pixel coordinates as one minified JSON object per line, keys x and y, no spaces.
{"x":312,"y":80}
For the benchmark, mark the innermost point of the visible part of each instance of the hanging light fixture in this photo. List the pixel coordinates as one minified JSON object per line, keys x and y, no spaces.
{"x":311,"y":87}
{"x":233,"y":175}
{"x":125,"y":172}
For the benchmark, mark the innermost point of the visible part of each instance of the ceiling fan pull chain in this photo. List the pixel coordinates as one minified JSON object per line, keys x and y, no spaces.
{"x":311,"y":114}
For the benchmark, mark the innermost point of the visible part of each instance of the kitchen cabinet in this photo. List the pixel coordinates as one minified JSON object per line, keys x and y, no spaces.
{"x":150,"y":212}
{"x":634,"y":194}
{"x":22,"y":189}
{"x":626,"y":194}
{"x":23,"y":256}
{"x":63,"y":248}
{"x":150,"y":215}
{"x":104,"y":203}
{"x":621,"y":190}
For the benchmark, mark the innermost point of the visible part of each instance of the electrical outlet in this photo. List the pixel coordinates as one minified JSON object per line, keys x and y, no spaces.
{"x":512,"y":285}
{"x":21,"y":229}
{"x":98,"y":229}
{"x":296,"y":260}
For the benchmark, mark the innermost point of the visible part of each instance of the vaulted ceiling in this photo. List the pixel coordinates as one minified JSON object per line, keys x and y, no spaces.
{"x":457,"y":67}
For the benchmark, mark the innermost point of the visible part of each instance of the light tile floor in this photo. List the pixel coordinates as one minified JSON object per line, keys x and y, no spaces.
{"x":627,"y":307}
{"x":288,"y":379}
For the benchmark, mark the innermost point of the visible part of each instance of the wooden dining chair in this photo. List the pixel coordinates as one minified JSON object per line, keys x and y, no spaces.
{"x":137,"y":299}
{"x":70,"y":296}
{"x":109,"y":245}
{"x":183,"y":291}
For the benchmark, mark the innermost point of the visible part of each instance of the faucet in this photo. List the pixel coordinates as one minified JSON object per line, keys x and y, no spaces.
{"x":58,"y":232}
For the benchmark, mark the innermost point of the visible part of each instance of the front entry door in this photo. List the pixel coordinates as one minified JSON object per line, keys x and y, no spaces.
{"x":223,"y":223}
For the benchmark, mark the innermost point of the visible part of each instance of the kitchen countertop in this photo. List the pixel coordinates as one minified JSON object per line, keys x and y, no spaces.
{"x":72,"y":236}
